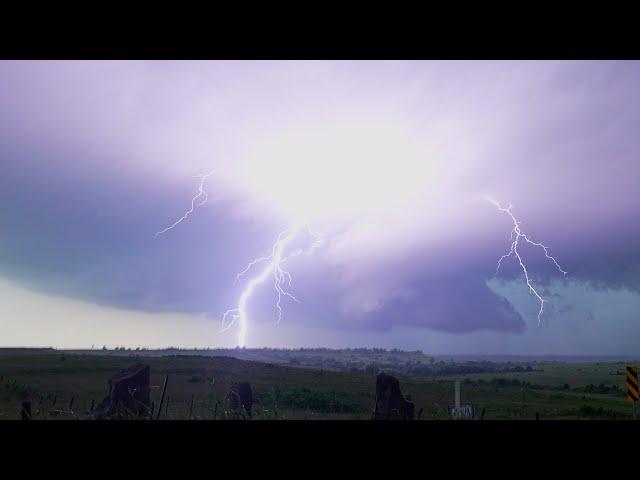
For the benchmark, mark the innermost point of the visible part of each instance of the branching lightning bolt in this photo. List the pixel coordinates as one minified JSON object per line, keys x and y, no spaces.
{"x":274,"y":265}
{"x":516,"y":235}
{"x":274,"y":268}
{"x":201,"y":198}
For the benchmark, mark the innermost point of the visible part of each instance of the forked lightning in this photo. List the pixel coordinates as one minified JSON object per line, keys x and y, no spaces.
{"x":518,"y":234}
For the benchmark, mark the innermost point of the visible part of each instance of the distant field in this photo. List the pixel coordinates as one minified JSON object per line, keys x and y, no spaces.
{"x":340,"y":388}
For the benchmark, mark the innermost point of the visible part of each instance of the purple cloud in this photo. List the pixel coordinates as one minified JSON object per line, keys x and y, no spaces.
{"x":98,"y":156}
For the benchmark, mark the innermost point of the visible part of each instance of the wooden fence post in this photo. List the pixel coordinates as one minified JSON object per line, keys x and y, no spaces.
{"x":164,"y":389}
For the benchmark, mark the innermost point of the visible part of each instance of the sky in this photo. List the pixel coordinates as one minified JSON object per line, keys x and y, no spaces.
{"x":389,"y":162}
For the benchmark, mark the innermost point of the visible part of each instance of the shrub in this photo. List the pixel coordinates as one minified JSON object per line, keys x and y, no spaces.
{"x":303,"y":398}
{"x":593,"y":412}
{"x":602,"y":388}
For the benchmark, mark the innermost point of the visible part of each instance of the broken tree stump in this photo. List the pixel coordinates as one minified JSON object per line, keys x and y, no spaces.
{"x":128,"y":396}
{"x":241,"y":396}
{"x":390,"y":403}
{"x":25,"y":413}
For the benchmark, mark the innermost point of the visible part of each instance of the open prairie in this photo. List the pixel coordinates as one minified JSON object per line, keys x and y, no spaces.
{"x":333,"y":384}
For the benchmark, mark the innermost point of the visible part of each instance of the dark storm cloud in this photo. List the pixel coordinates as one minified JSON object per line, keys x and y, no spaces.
{"x":80,"y":201}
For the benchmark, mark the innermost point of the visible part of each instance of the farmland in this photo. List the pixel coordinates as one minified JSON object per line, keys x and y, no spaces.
{"x":313,"y":383}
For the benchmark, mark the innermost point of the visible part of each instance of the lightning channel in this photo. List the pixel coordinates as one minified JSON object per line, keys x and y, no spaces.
{"x":272,"y":265}
{"x":272,"y":268}
{"x":515,"y":237}
{"x":198,"y":200}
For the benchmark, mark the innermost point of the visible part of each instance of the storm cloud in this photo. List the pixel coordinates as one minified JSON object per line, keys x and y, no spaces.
{"x":98,"y":156}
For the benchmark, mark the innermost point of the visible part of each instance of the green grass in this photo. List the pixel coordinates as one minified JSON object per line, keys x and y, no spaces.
{"x":295,"y":392}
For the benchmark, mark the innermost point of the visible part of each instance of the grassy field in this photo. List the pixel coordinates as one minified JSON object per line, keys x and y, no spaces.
{"x":282,"y":391}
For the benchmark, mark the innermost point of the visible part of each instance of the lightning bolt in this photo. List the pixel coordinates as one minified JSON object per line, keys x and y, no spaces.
{"x":274,"y":269}
{"x":515,"y":236}
{"x":201,"y":194}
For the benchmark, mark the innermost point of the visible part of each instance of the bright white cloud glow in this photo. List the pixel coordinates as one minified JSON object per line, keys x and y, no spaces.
{"x":339,"y":170}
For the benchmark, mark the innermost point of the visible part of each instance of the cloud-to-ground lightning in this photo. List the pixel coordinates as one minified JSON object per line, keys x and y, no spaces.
{"x":514,"y":251}
{"x":274,"y":269}
{"x":200,"y":195}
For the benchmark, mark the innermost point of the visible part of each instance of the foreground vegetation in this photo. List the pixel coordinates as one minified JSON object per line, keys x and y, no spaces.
{"x":63,"y":385}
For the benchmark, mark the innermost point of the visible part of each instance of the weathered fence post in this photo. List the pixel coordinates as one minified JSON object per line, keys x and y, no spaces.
{"x":164,"y":389}
{"x":191,"y":408}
